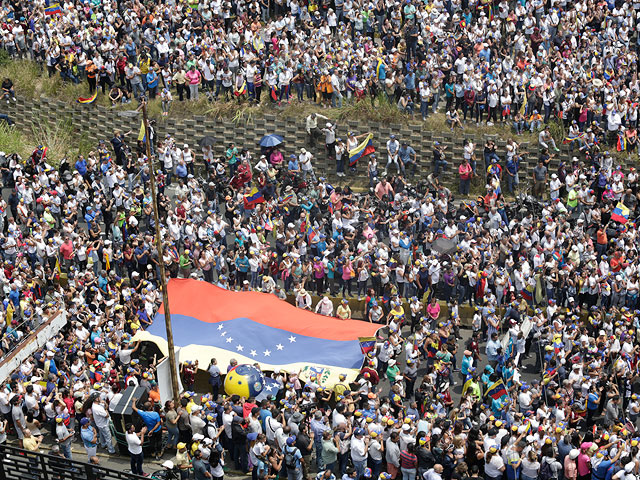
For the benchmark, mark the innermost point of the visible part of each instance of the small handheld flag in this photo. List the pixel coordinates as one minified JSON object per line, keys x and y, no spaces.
{"x":269,"y":225}
{"x":378,"y":67}
{"x":52,"y":8}
{"x":142,"y":136}
{"x":241,"y":90}
{"x":365,"y":148}
{"x":90,"y":99}
{"x":367,"y":344}
{"x":497,"y":390}
{"x":620,"y":213}
{"x":311,"y":233}
{"x":253,"y":198}
{"x":548,"y":375}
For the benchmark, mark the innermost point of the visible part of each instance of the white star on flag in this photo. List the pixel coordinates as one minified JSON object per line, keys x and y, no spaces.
{"x":229,"y":339}
{"x":253,"y":353}
{"x":268,"y":388}
{"x":239,"y":348}
{"x":279,"y":346}
{"x":267,"y":353}
{"x":220,"y":327}
{"x":292,"y":339}
{"x":223,"y":333}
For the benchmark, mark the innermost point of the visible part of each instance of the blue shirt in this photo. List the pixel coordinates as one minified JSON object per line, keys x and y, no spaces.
{"x":181,"y":170}
{"x":410,"y":81}
{"x":466,"y":363}
{"x":264,"y":413}
{"x":512,"y":166}
{"x":152,"y":80}
{"x":293,"y":164}
{"x":601,"y":470}
{"x":102,"y":283}
{"x":89,"y":217}
{"x":14,"y":296}
{"x":144,"y":259}
{"x":81,"y":167}
{"x":242,"y":264}
{"x":150,"y":419}
{"x":406,"y":153}
{"x":130,"y":48}
{"x":292,"y":450}
{"x":593,"y":399}
{"x":382,"y":74}
{"x":87,"y":437}
{"x":105,"y":167}
{"x":52,"y":366}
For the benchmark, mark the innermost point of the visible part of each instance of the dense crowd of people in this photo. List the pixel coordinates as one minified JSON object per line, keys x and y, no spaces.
{"x":487,"y":60}
{"x":545,"y":387}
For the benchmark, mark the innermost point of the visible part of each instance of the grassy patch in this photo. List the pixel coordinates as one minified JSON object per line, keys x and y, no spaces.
{"x":58,"y":136}
{"x":13,"y":140}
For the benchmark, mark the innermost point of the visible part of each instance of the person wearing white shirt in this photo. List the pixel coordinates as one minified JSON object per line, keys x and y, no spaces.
{"x":271,"y":426}
{"x":434,"y":473}
{"x":392,"y":153}
{"x":305,"y":164}
{"x":134,"y":444}
{"x":284,"y":79}
{"x":303,"y":300}
{"x":325,"y":307}
{"x":259,"y":449}
{"x":359,"y":447}
{"x":101,"y":420}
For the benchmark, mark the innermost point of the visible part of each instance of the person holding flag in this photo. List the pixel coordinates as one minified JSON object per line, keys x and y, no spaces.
{"x":358,"y":150}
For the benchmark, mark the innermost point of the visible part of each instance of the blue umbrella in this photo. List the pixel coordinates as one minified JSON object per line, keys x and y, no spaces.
{"x":271,"y":140}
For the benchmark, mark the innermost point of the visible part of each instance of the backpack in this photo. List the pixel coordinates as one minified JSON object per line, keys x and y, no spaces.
{"x":290,"y":458}
{"x":546,"y":472}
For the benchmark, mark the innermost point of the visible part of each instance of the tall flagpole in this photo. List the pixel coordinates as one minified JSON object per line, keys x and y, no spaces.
{"x":163,"y":278}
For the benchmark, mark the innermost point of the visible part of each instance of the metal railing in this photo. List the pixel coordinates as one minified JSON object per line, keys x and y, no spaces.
{"x":21,"y":464}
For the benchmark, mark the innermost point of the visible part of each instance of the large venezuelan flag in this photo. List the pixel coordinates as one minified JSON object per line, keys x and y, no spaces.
{"x":209,"y":321}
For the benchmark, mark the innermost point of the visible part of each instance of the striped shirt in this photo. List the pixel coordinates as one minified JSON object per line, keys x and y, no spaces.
{"x":408,"y":460}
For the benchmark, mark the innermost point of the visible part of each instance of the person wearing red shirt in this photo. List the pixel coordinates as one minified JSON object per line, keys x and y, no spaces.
{"x":384,"y":188}
{"x":67,"y":252}
{"x":617,"y":262}
{"x":466,"y":173}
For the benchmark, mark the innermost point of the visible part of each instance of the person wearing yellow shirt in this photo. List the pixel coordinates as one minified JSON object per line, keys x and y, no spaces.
{"x":339,"y":388}
{"x":8,"y":316}
{"x":572,"y":200}
{"x":343,"y":311}
{"x":135,"y":325}
{"x":191,"y":403}
{"x":31,"y":443}
{"x":48,"y":217}
{"x":181,"y":459}
{"x":396,"y":315}
{"x":144,"y":63}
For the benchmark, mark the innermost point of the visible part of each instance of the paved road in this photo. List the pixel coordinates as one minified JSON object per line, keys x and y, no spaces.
{"x":526,"y":370}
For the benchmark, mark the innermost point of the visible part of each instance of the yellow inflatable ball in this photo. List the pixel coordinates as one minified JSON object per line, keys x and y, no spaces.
{"x":244,"y":380}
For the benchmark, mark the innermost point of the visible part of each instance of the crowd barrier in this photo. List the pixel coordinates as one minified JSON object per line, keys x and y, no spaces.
{"x":21,"y":464}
